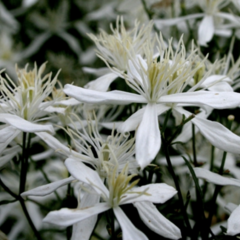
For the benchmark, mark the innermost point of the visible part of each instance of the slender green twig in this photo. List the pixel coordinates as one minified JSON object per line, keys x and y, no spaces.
{"x":194,"y":146}
{"x":171,"y":170}
{"x":24,"y":208}
{"x":23,"y":171}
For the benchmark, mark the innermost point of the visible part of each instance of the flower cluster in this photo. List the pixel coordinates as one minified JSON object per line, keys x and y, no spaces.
{"x":149,"y":149}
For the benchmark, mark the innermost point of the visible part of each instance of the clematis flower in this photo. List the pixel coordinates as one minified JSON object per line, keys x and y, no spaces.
{"x":113,"y":49}
{"x":211,"y":23}
{"x":21,"y":106}
{"x":119,"y":191}
{"x":160,"y":84}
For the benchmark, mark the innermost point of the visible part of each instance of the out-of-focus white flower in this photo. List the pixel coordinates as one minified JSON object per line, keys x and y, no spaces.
{"x":53,"y":23}
{"x":233,"y":223}
{"x":7,"y":21}
{"x":212,"y":22}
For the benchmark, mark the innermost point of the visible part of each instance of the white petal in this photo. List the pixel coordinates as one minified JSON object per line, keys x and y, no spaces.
{"x":28,"y":3}
{"x":228,"y":16}
{"x":91,"y":96}
{"x":148,"y":139}
{"x":132,"y":122}
{"x":24,"y":125}
{"x":67,"y":217}
{"x":223,"y":32}
{"x":234,"y":222}
{"x":221,"y":87}
{"x":86,"y":175}
{"x":102,"y":83}
{"x":156,"y":221}
{"x":160,"y":23}
{"x":83,"y":230}
{"x":96,"y":71}
{"x":218,"y":135}
{"x":48,"y":188}
{"x":186,"y":133}
{"x":35,"y":45}
{"x":129,"y":231}
{"x":230,"y":207}
{"x":52,"y":109}
{"x":68,"y":102}
{"x":211,"y":80}
{"x":218,"y":100}
{"x":43,"y":155}
{"x":6,"y":158}
{"x":205,"y":30}
{"x":7,"y":134}
{"x":215,"y":178}
{"x":156,"y":193}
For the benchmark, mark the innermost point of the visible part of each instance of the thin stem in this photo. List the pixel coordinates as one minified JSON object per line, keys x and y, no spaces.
{"x":171,"y":170}
{"x":113,"y":237}
{"x":216,"y":191}
{"x":37,"y":234}
{"x":194,"y":146}
{"x":8,"y":190}
{"x":23,"y":172}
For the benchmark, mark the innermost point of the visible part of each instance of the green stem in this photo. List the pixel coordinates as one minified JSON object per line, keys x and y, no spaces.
{"x":23,"y":171}
{"x":194,"y":146}
{"x":171,"y":170}
{"x":113,"y":237}
{"x":36,"y":233}
{"x":216,"y":191}
{"x":19,"y":198}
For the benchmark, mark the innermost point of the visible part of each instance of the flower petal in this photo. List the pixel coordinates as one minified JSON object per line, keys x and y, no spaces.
{"x":156,"y":221}
{"x":83,"y":230}
{"x":148,"y":139}
{"x":205,"y":30}
{"x":102,"y":83}
{"x":91,"y":96}
{"x":48,"y":188}
{"x":218,"y":135}
{"x":129,"y":231}
{"x":23,"y":124}
{"x":86,"y":175}
{"x":160,"y":23}
{"x":233,"y":225}
{"x":67,"y":217}
{"x":96,"y":71}
{"x":132,"y":122}
{"x":215,"y":178}
{"x":156,"y":193}
{"x":218,"y":100}
{"x":7,"y":134}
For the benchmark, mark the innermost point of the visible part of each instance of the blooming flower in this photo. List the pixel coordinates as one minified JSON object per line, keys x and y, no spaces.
{"x":119,"y":191}
{"x":114,"y":49}
{"x":159,"y":84}
{"x":21,"y":106}
{"x":211,"y":22}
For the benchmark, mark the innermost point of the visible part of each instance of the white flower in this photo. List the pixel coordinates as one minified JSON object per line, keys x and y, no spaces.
{"x":159,"y":84}
{"x":118,"y":191}
{"x":22,"y":105}
{"x":114,"y":49}
{"x":212,"y":22}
